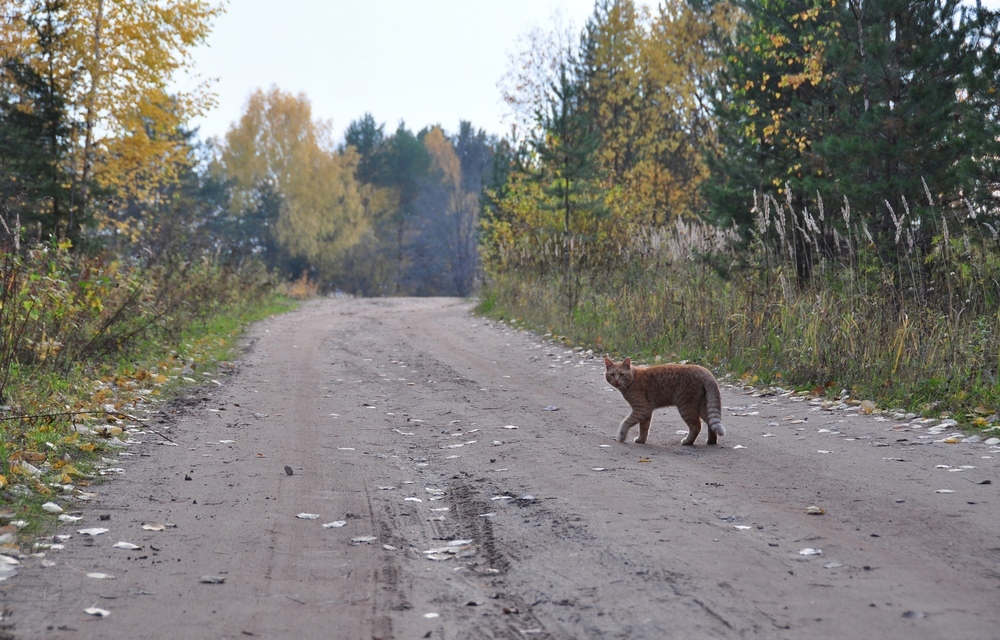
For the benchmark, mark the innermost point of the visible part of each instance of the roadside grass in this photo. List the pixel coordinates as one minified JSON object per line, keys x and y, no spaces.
{"x":92,"y":346}
{"x":915,"y":327}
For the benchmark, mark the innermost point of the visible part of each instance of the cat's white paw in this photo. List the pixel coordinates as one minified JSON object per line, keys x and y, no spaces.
{"x":639,"y":440}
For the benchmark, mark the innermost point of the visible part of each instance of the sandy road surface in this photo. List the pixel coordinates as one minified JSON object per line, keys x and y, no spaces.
{"x":392,"y":415}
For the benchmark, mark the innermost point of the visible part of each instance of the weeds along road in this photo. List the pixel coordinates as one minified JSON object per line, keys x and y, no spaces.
{"x":452,"y":501}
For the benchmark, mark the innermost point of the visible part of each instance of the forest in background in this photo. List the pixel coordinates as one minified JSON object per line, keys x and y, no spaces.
{"x":378,"y":214}
{"x":94,"y":151}
{"x":799,"y":192}
{"x":796,"y":190}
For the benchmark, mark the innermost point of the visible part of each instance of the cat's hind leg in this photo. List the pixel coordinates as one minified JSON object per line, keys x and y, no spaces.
{"x":693,"y":421}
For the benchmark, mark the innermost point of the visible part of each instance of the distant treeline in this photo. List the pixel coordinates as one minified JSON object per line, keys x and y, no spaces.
{"x":379,"y":214}
{"x":94,"y":150}
{"x":641,"y":118}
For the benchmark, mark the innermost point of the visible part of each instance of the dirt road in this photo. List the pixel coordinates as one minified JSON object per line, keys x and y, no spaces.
{"x":453,"y":500}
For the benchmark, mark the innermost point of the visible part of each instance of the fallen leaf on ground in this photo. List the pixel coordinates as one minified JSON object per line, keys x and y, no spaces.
{"x":813,"y":510}
{"x":363,"y":539}
{"x":335,"y":525}
{"x":94,"y":611}
{"x":810,"y":552}
{"x":307,"y":516}
{"x":212,"y":579}
{"x":128,"y":546}
{"x":52,"y":507}
{"x":93,"y":531}
{"x":100,"y":576}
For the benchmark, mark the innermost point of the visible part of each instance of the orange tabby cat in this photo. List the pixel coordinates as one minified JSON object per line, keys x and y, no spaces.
{"x":690,"y":388}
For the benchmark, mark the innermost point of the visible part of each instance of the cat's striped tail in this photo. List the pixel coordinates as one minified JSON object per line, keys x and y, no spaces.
{"x":715,"y":424}
{"x":714,"y":408}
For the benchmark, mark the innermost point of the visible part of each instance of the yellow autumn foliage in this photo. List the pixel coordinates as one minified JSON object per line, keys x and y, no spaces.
{"x":277,"y":145}
{"x":111,"y":62}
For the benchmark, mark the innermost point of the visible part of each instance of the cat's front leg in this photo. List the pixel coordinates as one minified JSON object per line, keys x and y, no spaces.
{"x":632,"y":419}
{"x":624,"y":427}
{"x":643,"y":431}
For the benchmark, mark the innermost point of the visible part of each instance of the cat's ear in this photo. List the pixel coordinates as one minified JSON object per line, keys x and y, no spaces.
{"x":627,"y":362}
{"x":607,"y":362}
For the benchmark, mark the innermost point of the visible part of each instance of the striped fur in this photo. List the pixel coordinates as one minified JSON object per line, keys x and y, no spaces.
{"x":690,"y":388}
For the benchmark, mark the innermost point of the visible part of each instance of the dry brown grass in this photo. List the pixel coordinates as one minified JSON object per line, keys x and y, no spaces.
{"x":913,"y":322}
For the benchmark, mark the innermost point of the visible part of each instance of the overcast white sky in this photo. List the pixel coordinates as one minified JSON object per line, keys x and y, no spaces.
{"x":424,"y":61}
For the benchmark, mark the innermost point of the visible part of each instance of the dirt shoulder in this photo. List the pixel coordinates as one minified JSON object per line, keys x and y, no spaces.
{"x":396,"y":420}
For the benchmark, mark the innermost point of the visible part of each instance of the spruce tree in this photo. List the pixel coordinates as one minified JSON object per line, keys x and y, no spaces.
{"x":567,"y":155}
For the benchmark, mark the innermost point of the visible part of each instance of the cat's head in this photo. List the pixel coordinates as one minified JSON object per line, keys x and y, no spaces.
{"x":619,"y":376}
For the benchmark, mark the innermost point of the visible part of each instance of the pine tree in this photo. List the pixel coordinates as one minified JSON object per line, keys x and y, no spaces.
{"x":916,"y":103}
{"x":867,"y":100}
{"x":774,"y":101}
{"x":368,"y":138}
{"x":609,"y":83}
{"x":34,"y":132}
{"x":567,"y":156}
